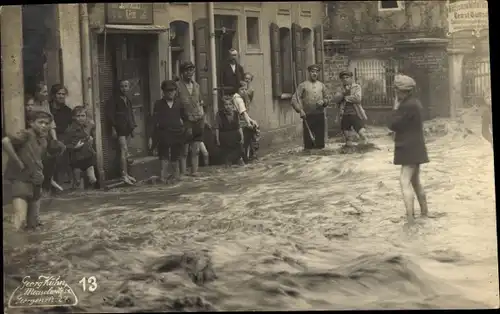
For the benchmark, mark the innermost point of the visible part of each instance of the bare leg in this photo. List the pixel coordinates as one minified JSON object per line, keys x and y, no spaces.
{"x":77,"y":178}
{"x":204,"y":153}
{"x":164,"y":170}
{"x":362,"y":135}
{"x":33,"y":214}
{"x":183,"y":160}
{"x":195,"y":151}
{"x":20,"y":212}
{"x":175,"y":170}
{"x":91,"y":175}
{"x":122,"y":140}
{"x":408,"y":196}
{"x":419,"y":191}
{"x":347,"y":138}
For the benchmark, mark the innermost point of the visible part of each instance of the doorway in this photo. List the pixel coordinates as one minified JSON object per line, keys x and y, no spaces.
{"x":226,"y":27}
{"x":125,"y":57}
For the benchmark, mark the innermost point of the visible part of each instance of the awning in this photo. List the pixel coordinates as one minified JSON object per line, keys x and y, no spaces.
{"x":132,"y":29}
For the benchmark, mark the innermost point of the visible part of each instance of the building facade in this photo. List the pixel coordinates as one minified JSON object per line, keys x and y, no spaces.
{"x":469,"y":53}
{"x":99,"y":44}
{"x":377,"y":39}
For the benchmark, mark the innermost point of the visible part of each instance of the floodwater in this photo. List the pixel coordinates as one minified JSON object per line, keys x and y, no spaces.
{"x":295,"y":231}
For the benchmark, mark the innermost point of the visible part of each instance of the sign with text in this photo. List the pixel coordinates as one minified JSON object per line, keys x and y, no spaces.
{"x":129,"y":13}
{"x":467,"y":15}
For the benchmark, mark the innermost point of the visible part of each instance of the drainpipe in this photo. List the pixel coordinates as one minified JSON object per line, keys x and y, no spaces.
{"x":211,"y":27}
{"x":86,"y":65}
{"x":168,"y":65}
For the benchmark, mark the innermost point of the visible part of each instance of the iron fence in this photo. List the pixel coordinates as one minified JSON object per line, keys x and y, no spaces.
{"x":476,"y":80}
{"x":376,"y":77}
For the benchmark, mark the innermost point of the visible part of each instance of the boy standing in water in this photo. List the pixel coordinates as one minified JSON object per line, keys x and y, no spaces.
{"x":188,"y":92}
{"x":252,"y":147}
{"x":122,"y":120}
{"x":228,"y":132}
{"x":168,"y":121}
{"x":79,"y":141}
{"x":24,"y":169}
{"x":410,"y":150}
{"x":351,"y":113}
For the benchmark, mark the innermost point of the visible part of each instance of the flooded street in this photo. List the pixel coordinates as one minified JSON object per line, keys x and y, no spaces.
{"x":295,"y":231}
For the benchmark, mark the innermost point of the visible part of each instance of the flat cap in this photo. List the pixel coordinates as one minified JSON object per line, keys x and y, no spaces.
{"x":345,"y":73}
{"x":186,"y":65}
{"x":314,"y":67}
{"x":404,"y":82}
{"x":168,"y":85}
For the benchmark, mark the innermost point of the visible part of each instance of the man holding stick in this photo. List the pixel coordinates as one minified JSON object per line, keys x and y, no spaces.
{"x":310,"y":101}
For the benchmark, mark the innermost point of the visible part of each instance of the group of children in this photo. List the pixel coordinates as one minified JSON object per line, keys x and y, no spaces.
{"x":236,"y":134}
{"x":30,"y":150}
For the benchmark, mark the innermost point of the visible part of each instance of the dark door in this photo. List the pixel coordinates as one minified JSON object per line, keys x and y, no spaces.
{"x":134,"y":67}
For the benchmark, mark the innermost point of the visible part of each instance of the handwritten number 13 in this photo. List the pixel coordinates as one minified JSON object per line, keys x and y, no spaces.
{"x":91,"y":281}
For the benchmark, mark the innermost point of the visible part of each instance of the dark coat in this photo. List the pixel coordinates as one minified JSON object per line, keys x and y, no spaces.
{"x":120,"y":115}
{"x":63,"y":117}
{"x":231,"y":80}
{"x":168,"y":123}
{"x":409,"y":142}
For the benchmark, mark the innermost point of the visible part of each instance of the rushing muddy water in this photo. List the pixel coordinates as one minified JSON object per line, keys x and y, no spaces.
{"x":295,"y":231}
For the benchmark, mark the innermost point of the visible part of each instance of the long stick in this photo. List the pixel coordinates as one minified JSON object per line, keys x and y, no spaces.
{"x":308,"y":129}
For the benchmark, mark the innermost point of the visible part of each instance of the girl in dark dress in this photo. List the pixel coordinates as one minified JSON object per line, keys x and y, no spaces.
{"x":228,"y":133}
{"x":410,"y":150}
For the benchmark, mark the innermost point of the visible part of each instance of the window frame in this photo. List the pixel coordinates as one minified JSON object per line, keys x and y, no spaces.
{"x":401,"y":6}
{"x":254,"y":48}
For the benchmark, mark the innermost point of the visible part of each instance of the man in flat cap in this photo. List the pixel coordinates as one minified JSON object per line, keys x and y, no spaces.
{"x":310,"y":101}
{"x":352,"y":115}
{"x":188,"y":92}
{"x":168,"y":130}
{"x":232,"y":74}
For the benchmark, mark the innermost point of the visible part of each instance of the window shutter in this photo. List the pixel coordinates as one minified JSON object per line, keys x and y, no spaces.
{"x":202,"y":60}
{"x":298,"y":53}
{"x":319,"y":50}
{"x":276,"y":71}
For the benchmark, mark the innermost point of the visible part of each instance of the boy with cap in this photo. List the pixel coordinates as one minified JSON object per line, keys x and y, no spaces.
{"x":310,"y":101}
{"x":168,"y":123}
{"x":410,"y":150}
{"x":351,"y":113}
{"x":26,"y":151}
{"x":190,"y":99}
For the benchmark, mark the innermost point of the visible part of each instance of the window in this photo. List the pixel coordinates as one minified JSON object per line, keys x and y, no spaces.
{"x":390,"y":5}
{"x":253,"y":32}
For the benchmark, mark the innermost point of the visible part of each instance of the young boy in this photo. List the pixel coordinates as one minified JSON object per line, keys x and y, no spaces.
{"x":228,"y":132}
{"x":31,"y":104}
{"x":168,"y":122}
{"x":24,"y":169}
{"x":79,"y":142}
{"x":249,"y":126}
{"x":121,"y":118}
{"x":253,"y":134}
